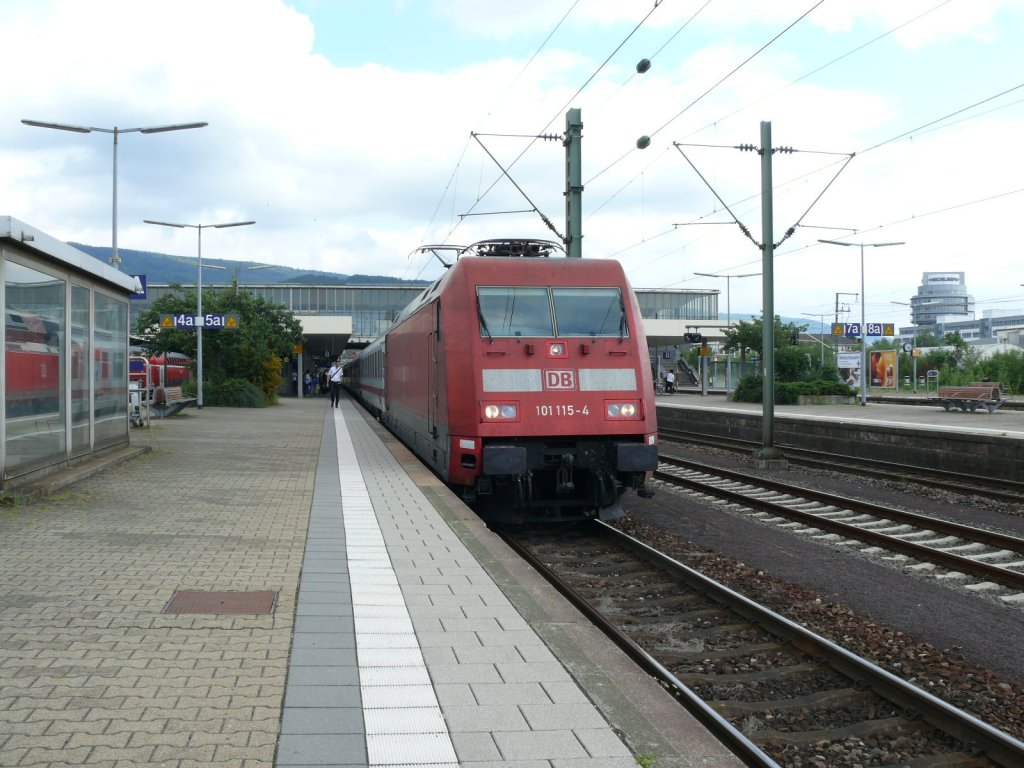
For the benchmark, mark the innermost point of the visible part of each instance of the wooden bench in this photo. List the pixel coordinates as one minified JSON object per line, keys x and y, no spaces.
{"x":167,"y":401}
{"x":988,"y":394}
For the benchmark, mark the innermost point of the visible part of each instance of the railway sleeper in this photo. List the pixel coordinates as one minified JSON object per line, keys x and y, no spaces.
{"x":840,"y":697}
{"x":886,"y":728}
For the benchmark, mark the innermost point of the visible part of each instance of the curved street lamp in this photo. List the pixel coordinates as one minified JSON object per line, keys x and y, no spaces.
{"x":199,"y":292}
{"x":115,"y":260}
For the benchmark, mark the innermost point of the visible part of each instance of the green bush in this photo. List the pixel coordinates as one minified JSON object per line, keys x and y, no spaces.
{"x":750,"y":388}
{"x":234,"y":393}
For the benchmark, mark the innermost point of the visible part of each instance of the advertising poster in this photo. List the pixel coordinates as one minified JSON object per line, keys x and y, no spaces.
{"x":849,"y":368}
{"x":883,"y":368}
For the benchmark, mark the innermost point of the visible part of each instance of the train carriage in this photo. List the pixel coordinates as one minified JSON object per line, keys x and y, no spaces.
{"x":523,"y":380}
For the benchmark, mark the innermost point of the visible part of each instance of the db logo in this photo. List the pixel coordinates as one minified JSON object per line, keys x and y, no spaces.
{"x":559,"y":379}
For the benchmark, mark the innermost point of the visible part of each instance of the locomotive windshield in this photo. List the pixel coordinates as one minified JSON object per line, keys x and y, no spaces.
{"x":514,"y":312}
{"x":509,"y":311}
{"x":589,"y":312}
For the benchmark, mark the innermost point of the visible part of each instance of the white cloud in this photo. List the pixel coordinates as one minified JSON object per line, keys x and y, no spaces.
{"x":349,"y":168}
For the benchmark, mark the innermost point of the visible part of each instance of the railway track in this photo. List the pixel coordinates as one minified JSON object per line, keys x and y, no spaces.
{"x":940,"y":548}
{"x":775,"y":692}
{"x":999,"y":490}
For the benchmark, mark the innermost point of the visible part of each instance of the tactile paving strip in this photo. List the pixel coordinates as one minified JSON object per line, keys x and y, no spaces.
{"x":404,"y":724}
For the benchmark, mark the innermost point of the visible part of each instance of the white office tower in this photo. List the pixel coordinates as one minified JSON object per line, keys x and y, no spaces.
{"x":941,"y":297}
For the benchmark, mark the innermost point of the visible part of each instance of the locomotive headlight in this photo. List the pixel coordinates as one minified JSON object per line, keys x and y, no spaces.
{"x":501,"y":412}
{"x":557,"y":349}
{"x":622,"y":410}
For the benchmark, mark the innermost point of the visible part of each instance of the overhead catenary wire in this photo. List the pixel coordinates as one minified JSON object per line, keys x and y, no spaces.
{"x":465,"y":147}
{"x":693,"y":103}
{"x":814,"y":71}
{"x":904,"y":134}
{"x":569,"y":101}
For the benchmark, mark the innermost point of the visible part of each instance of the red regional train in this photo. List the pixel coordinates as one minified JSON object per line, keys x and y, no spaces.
{"x":33,"y":369}
{"x":523,"y":380}
{"x":170,"y":369}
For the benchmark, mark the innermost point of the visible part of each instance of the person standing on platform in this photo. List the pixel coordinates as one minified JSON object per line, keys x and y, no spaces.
{"x":670,"y":382}
{"x":334,"y":382}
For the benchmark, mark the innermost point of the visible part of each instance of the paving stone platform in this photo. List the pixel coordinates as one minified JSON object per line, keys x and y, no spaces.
{"x":401,"y":631}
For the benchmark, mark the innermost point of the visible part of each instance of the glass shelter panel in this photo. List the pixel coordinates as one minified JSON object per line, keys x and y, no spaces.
{"x":514,"y":312}
{"x":110,"y":369}
{"x":81,"y":350}
{"x":589,"y":312}
{"x":34,"y":360}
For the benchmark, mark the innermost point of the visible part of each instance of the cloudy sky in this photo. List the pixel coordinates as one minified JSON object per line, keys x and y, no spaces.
{"x":344,"y":128}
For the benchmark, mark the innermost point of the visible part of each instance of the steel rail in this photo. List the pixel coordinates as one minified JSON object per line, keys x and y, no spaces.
{"x":998,"y":745}
{"x":958,"y":482}
{"x":992,"y":538}
{"x":722,"y":729}
{"x":995,"y":573}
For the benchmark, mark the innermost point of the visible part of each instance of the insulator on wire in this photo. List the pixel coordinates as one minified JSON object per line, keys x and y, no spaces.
{"x":643,"y":65}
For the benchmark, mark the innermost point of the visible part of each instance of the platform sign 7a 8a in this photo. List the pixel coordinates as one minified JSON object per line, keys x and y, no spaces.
{"x":870,"y":329}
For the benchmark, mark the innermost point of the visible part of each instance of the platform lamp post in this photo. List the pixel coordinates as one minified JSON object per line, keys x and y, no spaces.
{"x":863,"y":303}
{"x":115,"y":259}
{"x":199,"y":291}
{"x":728,"y":321}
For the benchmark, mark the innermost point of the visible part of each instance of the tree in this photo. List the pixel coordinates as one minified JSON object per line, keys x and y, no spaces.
{"x":253,"y":352}
{"x":744,"y":335}
{"x":791,"y":362}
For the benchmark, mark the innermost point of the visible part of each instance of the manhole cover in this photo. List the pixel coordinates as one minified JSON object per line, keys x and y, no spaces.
{"x":193,"y":601}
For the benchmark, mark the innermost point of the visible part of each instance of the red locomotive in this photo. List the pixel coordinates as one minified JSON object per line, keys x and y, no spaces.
{"x":523,"y":380}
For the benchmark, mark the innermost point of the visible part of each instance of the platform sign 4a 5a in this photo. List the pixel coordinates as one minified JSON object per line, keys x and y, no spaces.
{"x":209,"y":320}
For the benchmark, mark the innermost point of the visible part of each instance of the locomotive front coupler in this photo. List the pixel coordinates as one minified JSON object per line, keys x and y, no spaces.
{"x":564,"y":485}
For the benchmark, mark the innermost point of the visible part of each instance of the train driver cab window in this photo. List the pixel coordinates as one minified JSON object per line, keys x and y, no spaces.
{"x":514,"y":312}
{"x":590,"y":312}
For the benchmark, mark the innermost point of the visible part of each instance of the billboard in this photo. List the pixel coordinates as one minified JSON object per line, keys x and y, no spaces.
{"x":849,"y":368}
{"x":884,"y":368}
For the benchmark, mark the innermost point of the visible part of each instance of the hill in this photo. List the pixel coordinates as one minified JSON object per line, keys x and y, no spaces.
{"x":162,"y":268}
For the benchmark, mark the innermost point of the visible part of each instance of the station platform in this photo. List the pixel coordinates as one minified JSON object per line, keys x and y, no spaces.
{"x":290,"y":587}
{"x":900,"y":412}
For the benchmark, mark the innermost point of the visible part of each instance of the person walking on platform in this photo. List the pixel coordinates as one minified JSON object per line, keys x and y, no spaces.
{"x":670,"y":382}
{"x":334,"y":381}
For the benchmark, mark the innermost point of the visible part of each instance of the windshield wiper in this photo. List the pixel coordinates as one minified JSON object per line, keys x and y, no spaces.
{"x":622,"y":318}
{"x":483,"y":320}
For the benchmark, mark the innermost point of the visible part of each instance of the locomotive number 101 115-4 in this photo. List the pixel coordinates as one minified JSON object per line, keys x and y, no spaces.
{"x":563,"y":410}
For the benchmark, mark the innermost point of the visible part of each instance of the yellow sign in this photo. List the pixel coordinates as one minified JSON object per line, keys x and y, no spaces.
{"x":298,"y":348}
{"x":166,"y":321}
{"x":231,"y":321}
{"x":705,"y":350}
{"x":838,"y":329}
{"x":916,"y":352}
{"x":888,"y":329}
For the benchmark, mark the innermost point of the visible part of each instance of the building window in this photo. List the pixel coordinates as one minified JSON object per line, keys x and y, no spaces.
{"x":110,"y":369}
{"x":34,"y":374}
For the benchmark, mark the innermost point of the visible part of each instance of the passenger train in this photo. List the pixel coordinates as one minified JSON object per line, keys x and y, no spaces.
{"x":523,"y":380}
